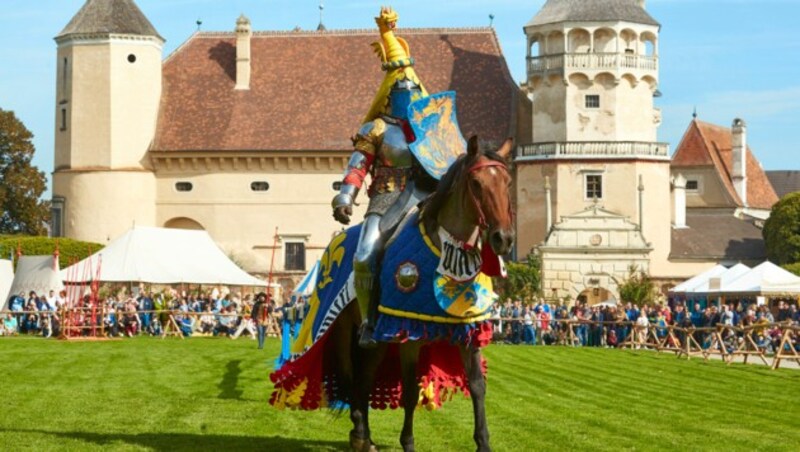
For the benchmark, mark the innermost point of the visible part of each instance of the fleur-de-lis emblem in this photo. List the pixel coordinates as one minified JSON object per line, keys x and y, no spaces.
{"x":334,"y":254}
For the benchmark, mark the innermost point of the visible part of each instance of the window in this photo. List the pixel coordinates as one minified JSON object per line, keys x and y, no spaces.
{"x":295,"y":256}
{"x":63,"y":119}
{"x":57,"y":217}
{"x":594,"y":186}
{"x":183,"y":186}
{"x":131,"y":58}
{"x":592,"y":101}
{"x":259,"y":186}
{"x":64,"y":78}
{"x":337,"y":186}
{"x":692,"y":185}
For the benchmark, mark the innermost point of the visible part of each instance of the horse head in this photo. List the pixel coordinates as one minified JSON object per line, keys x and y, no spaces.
{"x":488,"y":194}
{"x":474,"y":198}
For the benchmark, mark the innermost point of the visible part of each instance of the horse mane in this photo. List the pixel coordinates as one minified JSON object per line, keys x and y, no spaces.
{"x":435,"y":201}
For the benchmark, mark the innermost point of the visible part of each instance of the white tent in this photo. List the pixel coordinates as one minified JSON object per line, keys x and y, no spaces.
{"x":306,"y":286}
{"x":764,"y":279}
{"x":36,"y":273}
{"x":719,"y":282}
{"x":691,"y":283}
{"x":161,"y":256}
{"x":6,"y":279}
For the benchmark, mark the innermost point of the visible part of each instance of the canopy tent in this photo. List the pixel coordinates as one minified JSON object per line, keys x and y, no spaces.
{"x":38,"y":274}
{"x":6,"y":279}
{"x":765,"y":279}
{"x":714,"y":284}
{"x":306,"y":286}
{"x":161,"y":256}
{"x":691,"y":283}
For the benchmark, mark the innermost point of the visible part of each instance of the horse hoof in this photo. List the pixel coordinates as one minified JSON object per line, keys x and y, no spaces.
{"x":361,"y":444}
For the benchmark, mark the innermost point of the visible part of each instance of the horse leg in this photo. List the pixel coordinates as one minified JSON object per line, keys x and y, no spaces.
{"x":409,"y":354}
{"x":367,"y":363}
{"x":471,"y":357}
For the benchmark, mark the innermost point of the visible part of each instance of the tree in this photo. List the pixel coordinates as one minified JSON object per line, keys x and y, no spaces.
{"x":524,"y":279}
{"x":637,"y":287}
{"x":782,"y":231}
{"x":21,"y":184}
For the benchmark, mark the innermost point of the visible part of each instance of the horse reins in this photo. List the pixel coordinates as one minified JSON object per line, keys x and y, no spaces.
{"x":486,"y":163}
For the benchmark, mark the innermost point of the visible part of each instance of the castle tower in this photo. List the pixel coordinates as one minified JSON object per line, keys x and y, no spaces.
{"x":592,"y":75}
{"x":107,"y":98}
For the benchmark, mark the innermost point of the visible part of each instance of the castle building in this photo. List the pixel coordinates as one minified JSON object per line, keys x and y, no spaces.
{"x":597,"y":193}
{"x":246,"y":133}
{"x":238,"y":133}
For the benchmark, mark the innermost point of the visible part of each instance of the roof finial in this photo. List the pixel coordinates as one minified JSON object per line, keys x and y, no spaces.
{"x":491,"y":19}
{"x":199,"y":23}
{"x":321,"y":26}
{"x":694,"y":113}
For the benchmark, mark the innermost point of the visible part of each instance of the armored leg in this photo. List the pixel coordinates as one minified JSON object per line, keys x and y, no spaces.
{"x":369,"y":245}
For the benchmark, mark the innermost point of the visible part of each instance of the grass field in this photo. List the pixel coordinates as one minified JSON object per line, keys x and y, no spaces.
{"x":210,"y":394}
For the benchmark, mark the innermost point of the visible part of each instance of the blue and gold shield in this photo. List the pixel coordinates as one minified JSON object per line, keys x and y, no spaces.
{"x":438,"y":138}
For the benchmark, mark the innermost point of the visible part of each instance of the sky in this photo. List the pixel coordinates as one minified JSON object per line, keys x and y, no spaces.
{"x":726,"y":58}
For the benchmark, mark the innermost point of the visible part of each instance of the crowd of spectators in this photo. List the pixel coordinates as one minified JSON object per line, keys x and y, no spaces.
{"x":608,"y":325}
{"x":515,"y":322}
{"x":211,"y":314}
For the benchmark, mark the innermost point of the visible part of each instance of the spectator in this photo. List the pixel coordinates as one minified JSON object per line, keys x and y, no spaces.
{"x":260,"y":315}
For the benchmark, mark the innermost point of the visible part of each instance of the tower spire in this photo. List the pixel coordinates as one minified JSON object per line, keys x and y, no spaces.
{"x":321,"y":26}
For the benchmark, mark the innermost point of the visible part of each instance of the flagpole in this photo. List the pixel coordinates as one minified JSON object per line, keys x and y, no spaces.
{"x":272,"y":263}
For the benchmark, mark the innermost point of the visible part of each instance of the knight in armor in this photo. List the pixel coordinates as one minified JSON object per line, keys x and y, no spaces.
{"x":382,"y":150}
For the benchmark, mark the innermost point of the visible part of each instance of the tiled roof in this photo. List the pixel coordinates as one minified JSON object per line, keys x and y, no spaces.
{"x":110,"y":16}
{"x":718,"y":236}
{"x":784,"y":182}
{"x":591,"y":11}
{"x":706,"y":144}
{"x":311,"y":90}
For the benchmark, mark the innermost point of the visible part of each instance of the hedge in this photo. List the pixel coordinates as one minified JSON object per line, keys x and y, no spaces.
{"x":69,"y":251}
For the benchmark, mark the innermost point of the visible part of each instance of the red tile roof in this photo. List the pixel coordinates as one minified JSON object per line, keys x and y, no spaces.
{"x":706,"y":144}
{"x":310,"y":90}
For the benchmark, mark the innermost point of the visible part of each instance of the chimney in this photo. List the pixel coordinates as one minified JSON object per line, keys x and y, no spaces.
{"x":739,"y":155}
{"x":243,"y":34}
{"x":679,"y":190}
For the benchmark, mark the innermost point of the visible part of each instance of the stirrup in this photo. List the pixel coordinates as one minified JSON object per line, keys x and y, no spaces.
{"x":365,"y":339}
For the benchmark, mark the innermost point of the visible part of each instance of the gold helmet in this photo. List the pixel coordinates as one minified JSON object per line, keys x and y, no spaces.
{"x":396,"y":61}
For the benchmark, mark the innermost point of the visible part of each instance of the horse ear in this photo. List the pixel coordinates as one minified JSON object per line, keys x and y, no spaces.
{"x":473,"y":150}
{"x":505,"y":149}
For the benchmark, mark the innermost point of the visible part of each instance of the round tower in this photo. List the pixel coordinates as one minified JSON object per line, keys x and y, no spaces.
{"x":107,"y":99}
{"x":593,"y":71}
{"x":592,"y":76}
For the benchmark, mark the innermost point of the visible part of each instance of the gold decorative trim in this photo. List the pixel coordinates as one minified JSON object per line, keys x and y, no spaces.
{"x":432,"y":318}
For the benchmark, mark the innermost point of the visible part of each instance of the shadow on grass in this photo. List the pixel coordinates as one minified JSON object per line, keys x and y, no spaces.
{"x":229,"y":382}
{"x":194,"y":442}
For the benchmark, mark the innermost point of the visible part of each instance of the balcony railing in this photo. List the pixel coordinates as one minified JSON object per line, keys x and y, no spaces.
{"x":594,"y":149}
{"x":559,"y":62}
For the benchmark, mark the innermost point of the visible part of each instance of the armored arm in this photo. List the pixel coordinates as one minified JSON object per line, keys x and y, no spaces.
{"x":366,"y":144}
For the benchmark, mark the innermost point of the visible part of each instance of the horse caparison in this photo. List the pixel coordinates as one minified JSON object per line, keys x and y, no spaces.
{"x":472,"y":196}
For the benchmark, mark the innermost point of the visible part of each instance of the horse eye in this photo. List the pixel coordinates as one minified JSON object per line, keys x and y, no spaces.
{"x":475,"y":185}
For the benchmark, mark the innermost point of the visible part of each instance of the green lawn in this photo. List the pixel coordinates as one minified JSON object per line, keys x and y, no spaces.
{"x":211,"y":394}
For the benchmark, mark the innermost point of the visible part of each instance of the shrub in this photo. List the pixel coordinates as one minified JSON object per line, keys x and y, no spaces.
{"x":69,"y":251}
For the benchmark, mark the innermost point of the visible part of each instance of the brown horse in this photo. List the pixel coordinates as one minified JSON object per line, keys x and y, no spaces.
{"x":472,"y":196}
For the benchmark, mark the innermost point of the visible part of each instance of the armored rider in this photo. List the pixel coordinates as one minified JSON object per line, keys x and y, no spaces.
{"x":382,"y":150}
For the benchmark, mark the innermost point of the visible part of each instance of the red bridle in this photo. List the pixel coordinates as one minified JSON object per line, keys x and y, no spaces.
{"x":485,"y":163}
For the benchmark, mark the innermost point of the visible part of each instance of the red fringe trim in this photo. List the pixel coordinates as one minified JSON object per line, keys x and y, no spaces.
{"x":312,"y":381}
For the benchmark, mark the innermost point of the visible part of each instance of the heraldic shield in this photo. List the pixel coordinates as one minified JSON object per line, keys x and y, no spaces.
{"x":439,"y":141}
